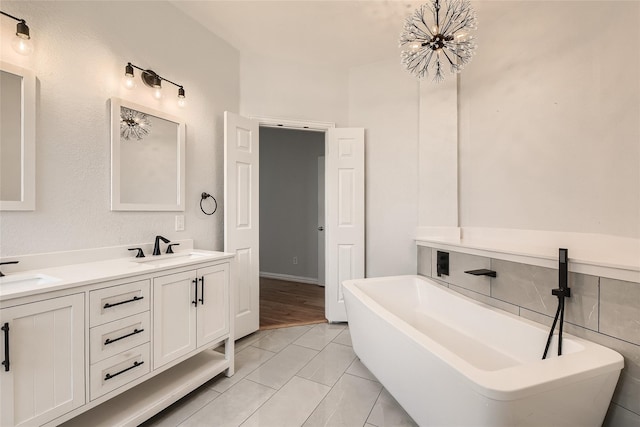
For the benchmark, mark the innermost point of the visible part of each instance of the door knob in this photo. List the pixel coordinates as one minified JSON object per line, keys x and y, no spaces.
{"x":321,"y":228}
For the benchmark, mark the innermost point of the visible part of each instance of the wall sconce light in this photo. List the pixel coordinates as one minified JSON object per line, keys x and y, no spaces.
{"x":153,"y":80}
{"x":22,"y":43}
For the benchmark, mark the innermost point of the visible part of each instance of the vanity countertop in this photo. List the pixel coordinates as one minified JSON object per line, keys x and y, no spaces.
{"x":34,"y":282}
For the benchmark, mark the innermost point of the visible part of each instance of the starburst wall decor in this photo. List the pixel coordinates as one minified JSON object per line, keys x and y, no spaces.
{"x":133,"y":124}
{"x":436,"y":36}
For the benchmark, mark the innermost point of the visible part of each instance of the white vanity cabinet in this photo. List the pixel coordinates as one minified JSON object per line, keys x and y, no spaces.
{"x":115,"y":341}
{"x":43,"y":374}
{"x":190,"y":310}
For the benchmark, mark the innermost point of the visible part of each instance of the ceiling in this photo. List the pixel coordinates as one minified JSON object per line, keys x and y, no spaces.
{"x":319,"y":33}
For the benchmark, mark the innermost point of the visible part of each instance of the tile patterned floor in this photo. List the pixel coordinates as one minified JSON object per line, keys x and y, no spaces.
{"x":297,"y":376}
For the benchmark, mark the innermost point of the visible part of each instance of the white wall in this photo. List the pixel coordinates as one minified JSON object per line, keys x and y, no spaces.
{"x":81,"y":49}
{"x":438,"y":156}
{"x":275,"y":88}
{"x":289,"y":201}
{"x":548,"y":118}
{"x":384,"y":99}
{"x":380,"y":97}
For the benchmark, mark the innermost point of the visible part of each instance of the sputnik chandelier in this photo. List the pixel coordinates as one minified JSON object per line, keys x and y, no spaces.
{"x":436,"y":37}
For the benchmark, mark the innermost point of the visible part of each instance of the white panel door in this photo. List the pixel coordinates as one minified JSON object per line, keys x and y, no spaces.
{"x":45,"y":374}
{"x":344,"y":215}
{"x":241,"y":214}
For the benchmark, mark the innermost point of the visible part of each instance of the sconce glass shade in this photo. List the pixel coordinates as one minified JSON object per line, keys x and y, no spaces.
{"x":157,"y":93}
{"x":182,"y":102}
{"x":128,"y":80}
{"x":22,"y":42}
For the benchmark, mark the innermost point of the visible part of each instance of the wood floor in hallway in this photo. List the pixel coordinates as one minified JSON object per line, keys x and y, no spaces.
{"x":284,"y":304}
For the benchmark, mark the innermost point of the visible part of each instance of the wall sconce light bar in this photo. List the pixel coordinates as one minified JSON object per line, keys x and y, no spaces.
{"x":22,"y":43}
{"x":152,"y":80}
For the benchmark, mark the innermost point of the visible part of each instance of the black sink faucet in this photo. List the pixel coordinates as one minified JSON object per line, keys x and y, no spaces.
{"x":156,"y":247}
{"x":7,"y":262}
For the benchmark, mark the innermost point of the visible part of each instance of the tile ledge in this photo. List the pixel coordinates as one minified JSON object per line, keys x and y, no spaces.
{"x":599,"y":255}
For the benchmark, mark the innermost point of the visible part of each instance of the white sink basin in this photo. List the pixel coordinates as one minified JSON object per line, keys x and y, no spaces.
{"x":170,"y":259}
{"x":28,"y":280}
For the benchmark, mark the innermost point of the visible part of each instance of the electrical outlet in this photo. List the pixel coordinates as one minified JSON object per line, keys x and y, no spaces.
{"x":295,"y":260}
{"x":179,"y":222}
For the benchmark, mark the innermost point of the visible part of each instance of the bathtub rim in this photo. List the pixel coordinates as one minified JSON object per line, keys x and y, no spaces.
{"x":532,"y":378}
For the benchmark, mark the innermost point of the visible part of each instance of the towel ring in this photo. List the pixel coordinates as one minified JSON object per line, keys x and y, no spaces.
{"x":205,"y":196}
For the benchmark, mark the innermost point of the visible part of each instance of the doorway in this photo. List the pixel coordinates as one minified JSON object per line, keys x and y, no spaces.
{"x":291,"y":227}
{"x":344,"y":209}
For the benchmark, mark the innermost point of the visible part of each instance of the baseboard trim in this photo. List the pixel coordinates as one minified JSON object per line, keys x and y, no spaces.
{"x":289,"y":278}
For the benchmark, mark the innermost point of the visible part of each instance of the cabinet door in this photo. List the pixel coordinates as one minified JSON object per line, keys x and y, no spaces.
{"x":174,"y":317}
{"x":213,"y":303}
{"x":46,"y":354}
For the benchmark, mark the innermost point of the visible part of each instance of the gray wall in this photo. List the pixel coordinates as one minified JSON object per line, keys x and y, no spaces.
{"x":602,"y":310}
{"x":289,"y":201}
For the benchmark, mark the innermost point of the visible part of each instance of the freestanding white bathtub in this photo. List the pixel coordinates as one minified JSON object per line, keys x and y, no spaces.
{"x":451,"y":361}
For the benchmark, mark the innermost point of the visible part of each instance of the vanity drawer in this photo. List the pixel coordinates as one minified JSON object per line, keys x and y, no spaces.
{"x":117,"y":302}
{"x":115,"y":337}
{"x":119,"y":370}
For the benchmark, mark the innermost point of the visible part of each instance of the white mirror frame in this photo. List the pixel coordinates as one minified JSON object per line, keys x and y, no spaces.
{"x":116,"y":203}
{"x":27,"y":200}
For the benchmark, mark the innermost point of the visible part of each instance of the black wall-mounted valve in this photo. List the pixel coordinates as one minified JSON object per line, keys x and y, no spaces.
{"x":139,"y":254}
{"x":442,"y":263}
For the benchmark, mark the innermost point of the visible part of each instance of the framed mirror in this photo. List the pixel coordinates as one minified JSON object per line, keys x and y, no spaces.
{"x":147,"y":159}
{"x":17,"y":138}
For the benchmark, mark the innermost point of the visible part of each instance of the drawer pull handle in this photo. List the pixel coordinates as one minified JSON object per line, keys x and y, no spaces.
{"x":135,"y":365}
{"x":5,"y":362}
{"x":134,"y":299}
{"x":111,"y":341}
